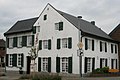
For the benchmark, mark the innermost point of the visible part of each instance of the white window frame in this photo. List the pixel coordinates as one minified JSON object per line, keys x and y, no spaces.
{"x":103,"y":46}
{"x":10,"y":59}
{"x":64,"y":43}
{"x":64,"y":65}
{"x":19,"y":41}
{"x":44,"y":64}
{"x":19,"y":59}
{"x":89,"y":64}
{"x":10,"y":42}
{"x":56,"y":26}
{"x":45,"y":44}
{"x":29,"y":40}
{"x":90,"y":44}
{"x":103,"y":62}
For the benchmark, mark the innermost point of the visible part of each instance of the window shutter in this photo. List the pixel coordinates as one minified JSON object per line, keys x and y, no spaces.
{"x":39,"y":64}
{"x":115,"y":48}
{"x":7,"y":40}
{"x":69,"y":42}
{"x":15,"y":42}
{"x":49,"y":64}
{"x":60,"y":26}
{"x":49,"y":44}
{"x":22,"y":60}
{"x":86,"y":44}
{"x":34,"y":29}
{"x":57,"y":64}
{"x":45,"y":17}
{"x":24,"y":40}
{"x":70,"y":65}
{"x":112,"y":64}
{"x":100,"y":62}
{"x":85,"y":65}
{"x":92,"y":45}
{"x":7,"y":58}
{"x":40,"y":44}
{"x":32,"y":40}
{"x":116,"y":63}
{"x":106,"y":62}
{"x":100,"y":46}
{"x":14,"y":61}
{"x":58,"y":43}
{"x":111,"y":48}
{"x":105,"y":47}
{"x":93,"y":64}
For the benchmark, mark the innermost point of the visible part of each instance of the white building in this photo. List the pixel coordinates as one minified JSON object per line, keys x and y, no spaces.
{"x":59,"y":34}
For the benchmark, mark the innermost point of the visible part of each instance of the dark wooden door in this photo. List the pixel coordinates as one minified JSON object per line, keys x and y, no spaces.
{"x":28,"y":64}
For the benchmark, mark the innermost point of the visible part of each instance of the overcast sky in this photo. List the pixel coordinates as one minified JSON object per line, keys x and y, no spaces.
{"x":106,"y":13}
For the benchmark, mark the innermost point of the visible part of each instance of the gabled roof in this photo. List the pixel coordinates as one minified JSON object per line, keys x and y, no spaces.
{"x":114,"y":30}
{"x":21,"y":26}
{"x":85,"y":26}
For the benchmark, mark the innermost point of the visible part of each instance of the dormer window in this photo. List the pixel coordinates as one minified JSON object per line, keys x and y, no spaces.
{"x":45,"y":17}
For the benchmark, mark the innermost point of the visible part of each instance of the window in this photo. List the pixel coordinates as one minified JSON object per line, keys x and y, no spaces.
{"x":64,"y":64}
{"x":45,"y":17}
{"x":38,"y":28}
{"x":113,"y":63}
{"x":19,"y":58}
{"x":29,"y":40}
{"x":103,"y":62}
{"x":45,"y":64}
{"x":64,"y":43}
{"x":103,"y":46}
{"x":10,"y":42}
{"x":59,"y":26}
{"x":88,"y":65}
{"x":45,"y":44}
{"x":19,"y":41}
{"x":10,"y":59}
{"x":89,"y":44}
{"x":113,"y":48}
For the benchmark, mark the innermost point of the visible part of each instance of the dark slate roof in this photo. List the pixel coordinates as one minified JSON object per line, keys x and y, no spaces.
{"x":114,"y":30}
{"x":84,"y":26}
{"x":21,"y":26}
{"x":2,"y":43}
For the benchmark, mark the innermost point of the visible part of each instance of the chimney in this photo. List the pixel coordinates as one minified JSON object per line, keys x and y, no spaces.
{"x":79,"y":17}
{"x":93,"y":22}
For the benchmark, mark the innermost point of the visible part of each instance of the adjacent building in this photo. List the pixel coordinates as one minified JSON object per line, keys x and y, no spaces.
{"x":58,"y":34}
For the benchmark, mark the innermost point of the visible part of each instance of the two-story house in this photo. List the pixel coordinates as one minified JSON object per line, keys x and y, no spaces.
{"x":58,"y":35}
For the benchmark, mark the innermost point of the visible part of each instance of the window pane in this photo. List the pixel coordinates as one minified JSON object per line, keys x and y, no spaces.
{"x":64,"y":43}
{"x":29,"y":42}
{"x":45,"y":44}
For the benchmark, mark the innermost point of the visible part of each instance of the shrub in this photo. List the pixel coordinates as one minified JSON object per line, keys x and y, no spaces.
{"x":101,"y":70}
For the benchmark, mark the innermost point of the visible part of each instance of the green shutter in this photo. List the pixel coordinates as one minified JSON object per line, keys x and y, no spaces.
{"x":39,"y":64}
{"x":7,"y":58}
{"x":60,"y":26}
{"x":7,"y":42}
{"x":34,"y":29}
{"x":32,"y":40}
{"x":106,"y":62}
{"x":70,"y":65}
{"x":93,"y":64}
{"x":57,"y":64}
{"x":85,"y":65}
{"x":111,"y":48}
{"x":69,"y":42}
{"x":112,"y":63}
{"x":58,"y":43}
{"x":49,"y":64}
{"x":92,"y":45}
{"x":15,"y":42}
{"x":86,"y":43}
{"x":14,"y":60}
{"x":105,"y":47}
{"x":116,"y":64}
{"x":40,"y":44}
{"x":49,"y":44}
{"x":100,"y":62}
{"x":24,"y":40}
{"x":100,"y":46}
{"x":22,"y":60}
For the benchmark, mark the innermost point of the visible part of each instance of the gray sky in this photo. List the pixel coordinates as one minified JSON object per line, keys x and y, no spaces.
{"x":106,"y":13}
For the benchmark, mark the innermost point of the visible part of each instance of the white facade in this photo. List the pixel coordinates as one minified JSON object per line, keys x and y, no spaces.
{"x":47,"y":30}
